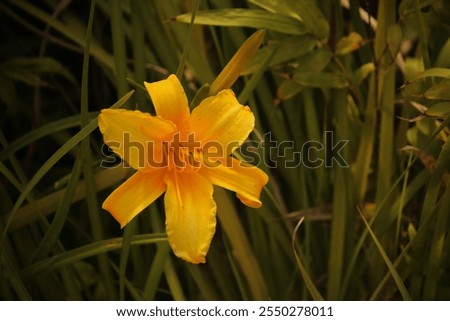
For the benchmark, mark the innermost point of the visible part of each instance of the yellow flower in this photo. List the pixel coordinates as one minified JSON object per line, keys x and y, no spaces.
{"x":182,"y":154}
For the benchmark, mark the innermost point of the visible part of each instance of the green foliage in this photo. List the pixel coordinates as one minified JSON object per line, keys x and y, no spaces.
{"x":376,"y":229}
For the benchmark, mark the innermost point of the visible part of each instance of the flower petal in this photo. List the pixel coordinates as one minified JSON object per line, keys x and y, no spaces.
{"x":190,"y":215}
{"x":223,"y":121}
{"x":135,"y":136}
{"x":169,"y":99}
{"x":246,"y":180}
{"x":135,"y":194}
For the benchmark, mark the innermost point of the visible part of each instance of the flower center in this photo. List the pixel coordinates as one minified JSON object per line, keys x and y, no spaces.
{"x":183,"y":155}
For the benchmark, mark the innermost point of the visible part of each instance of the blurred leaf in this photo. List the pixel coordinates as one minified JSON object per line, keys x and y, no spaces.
{"x":253,"y":18}
{"x":408,"y":6}
{"x":63,"y":150}
{"x":313,"y":291}
{"x":437,"y":253}
{"x":394,"y":39}
{"x":9,"y":272}
{"x":443,"y":59}
{"x":431,"y":72}
{"x":439,"y":110}
{"x":362,"y":72}
{"x":7,"y":91}
{"x":242,"y":250}
{"x":288,"y":89}
{"x":287,"y":50}
{"x":440,"y":91}
{"x":348,"y":43}
{"x":28,"y":70}
{"x":398,"y":280}
{"x":281,"y":7}
{"x":89,"y":250}
{"x":255,"y":79}
{"x":73,"y":31}
{"x":312,"y":17}
{"x":40,"y":132}
{"x":321,"y":79}
{"x":49,"y":204}
{"x":411,"y":231}
{"x":316,"y":60}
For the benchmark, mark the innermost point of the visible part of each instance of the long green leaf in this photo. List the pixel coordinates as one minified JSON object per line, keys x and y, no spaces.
{"x":312,"y":17}
{"x":253,"y":18}
{"x":9,"y":272}
{"x":313,"y":291}
{"x":63,"y":150}
{"x":320,"y":79}
{"x":431,"y":72}
{"x":67,"y":30}
{"x":398,"y":280}
{"x":42,"y":131}
{"x":229,"y":220}
{"x":86,"y":251}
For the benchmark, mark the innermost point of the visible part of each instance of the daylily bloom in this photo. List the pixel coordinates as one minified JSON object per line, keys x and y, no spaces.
{"x":182,"y":154}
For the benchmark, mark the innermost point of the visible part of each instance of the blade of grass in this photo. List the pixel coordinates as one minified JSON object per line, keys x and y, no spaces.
{"x":128,"y":232}
{"x":434,"y":186}
{"x":42,"y":131}
{"x":119,"y":47}
{"x":10,"y":177}
{"x":156,"y":271}
{"x":48,"y":204}
{"x":341,"y":206}
{"x":197,"y":55}
{"x":161,"y":257}
{"x":255,"y":78}
{"x":243,"y":289}
{"x":91,"y":194}
{"x":414,"y":187}
{"x":412,"y":242}
{"x":402,"y":201}
{"x":45,"y":168}
{"x":20,"y":173}
{"x":440,"y":228}
{"x":10,"y":272}
{"x":364,"y":158}
{"x":206,"y":288}
{"x":63,"y":150}
{"x":387,"y":101}
{"x":138,"y":37}
{"x":436,"y":261}
{"x":173,"y":280}
{"x":220,"y":271}
{"x":398,"y":280}
{"x":158,"y":34}
{"x":241,"y":247}
{"x":74,"y":34}
{"x":422,"y":35}
{"x":313,"y":291}
{"x":86,"y":251}
{"x":188,"y":42}
{"x":129,"y":286}
{"x":53,"y":232}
